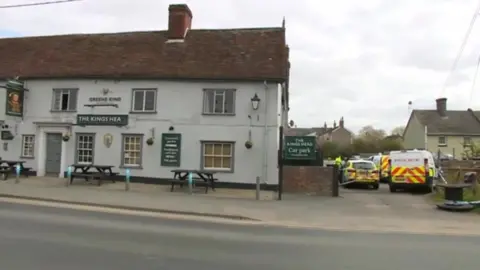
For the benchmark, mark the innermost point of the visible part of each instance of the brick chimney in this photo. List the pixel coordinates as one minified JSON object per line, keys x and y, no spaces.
{"x":442,"y":106}
{"x":341,"y":123}
{"x":179,"y":21}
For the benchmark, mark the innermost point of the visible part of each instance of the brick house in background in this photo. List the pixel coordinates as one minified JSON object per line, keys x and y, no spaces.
{"x":337,"y":134}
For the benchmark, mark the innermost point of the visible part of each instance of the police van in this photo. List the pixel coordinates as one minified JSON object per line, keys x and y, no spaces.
{"x":381,"y":161}
{"x":411,"y":169}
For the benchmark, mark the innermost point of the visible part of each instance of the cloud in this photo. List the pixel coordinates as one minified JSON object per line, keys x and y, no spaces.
{"x":363,"y":60}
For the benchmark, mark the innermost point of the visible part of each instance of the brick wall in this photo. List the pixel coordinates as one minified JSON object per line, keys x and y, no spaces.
{"x":312,"y":180}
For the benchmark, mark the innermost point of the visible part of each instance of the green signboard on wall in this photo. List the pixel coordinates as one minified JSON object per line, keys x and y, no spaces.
{"x":300,"y":148}
{"x":171,"y":149}
{"x":102,"y":119}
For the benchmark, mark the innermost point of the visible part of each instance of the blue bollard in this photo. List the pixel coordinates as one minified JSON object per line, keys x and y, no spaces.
{"x":69,"y":175}
{"x":18,"y":170}
{"x":127,"y":179}
{"x":190,"y":182}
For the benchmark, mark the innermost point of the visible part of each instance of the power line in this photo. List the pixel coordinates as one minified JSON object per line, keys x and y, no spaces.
{"x":460,"y":51}
{"x":474,"y":83}
{"x":39,"y":4}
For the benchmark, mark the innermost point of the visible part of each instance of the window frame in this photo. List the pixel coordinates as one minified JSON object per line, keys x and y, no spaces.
{"x":77,"y":137}
{"x":465,"y":141}
{"x":22,"y":154}
{"x":122,"y":153}
{"x":445,"y":143}
{"x":59,"y":91}
{"x":222,"y":170}
{"x":205,"y":105}
{"x":134,"y":90}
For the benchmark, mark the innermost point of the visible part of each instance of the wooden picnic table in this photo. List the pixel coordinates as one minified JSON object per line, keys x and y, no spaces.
{"x":9,"y":166}
{"x":199,"y":177}
{"x":101,"y":172}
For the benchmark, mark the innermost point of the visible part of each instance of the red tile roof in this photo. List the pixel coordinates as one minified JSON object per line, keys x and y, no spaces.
{"x":237,"y":54}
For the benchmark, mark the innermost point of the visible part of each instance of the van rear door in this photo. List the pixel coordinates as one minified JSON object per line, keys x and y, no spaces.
{"x":408,"y":167}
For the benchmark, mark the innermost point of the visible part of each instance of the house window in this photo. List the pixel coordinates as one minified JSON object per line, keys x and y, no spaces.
{"x":28,"y":146}
{"x":219,"y":101}
{"x":467,"y":141}
{"x":442,"y":140}
{"x":217,"y":156}
{"x":64,"y":100}
{"x":144,"y":100}
{"x":85,"y":148}
{"x":132,"y":150}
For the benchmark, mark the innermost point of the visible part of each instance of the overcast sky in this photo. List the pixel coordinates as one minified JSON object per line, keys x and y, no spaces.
{"x":361,"y":59}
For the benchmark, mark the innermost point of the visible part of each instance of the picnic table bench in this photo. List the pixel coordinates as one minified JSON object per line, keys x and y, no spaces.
{"x":8,"y":167}
{"x":199,"y":178}
{"x":101,"y":172}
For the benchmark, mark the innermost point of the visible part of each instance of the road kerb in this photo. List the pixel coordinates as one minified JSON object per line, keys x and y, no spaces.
{"x":130,"y":208}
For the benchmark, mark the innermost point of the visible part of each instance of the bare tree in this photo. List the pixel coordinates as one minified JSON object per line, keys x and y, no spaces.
{"x":398,"y":131}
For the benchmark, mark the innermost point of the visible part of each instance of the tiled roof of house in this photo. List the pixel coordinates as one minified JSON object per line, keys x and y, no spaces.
{"x":256,"y":54}
{"x":455,"y":122}
{"x":306,"y":131}
{"x":297,"y":131}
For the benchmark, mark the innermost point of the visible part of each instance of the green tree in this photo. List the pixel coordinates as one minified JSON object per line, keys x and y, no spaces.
{"x":391,"y":144}
{"x":398,"y":131}
{"x":346,"y":151}
{"x":361,"y":145}
{"x":330,"y":149}
{"x":370,"y":134}
{"x":471,"y":151}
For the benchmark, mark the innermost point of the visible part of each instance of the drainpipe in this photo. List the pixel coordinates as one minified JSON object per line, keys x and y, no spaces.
{"x":265,"y":136}
{"x":426,"y":138}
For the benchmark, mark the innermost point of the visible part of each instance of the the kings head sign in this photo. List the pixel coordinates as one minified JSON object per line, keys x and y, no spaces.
{"x":102,"y":119}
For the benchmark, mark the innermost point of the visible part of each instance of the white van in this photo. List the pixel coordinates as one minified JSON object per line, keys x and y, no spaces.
{"x":411,"y":169}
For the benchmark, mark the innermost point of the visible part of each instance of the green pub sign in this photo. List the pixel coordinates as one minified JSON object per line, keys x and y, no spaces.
{"x":300,"y":147}
{"x":171,"y":149}
{"x":102,"y":119}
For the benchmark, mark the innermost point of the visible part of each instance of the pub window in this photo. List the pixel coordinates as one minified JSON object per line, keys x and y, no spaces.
{"x":85,"y":148}
{"x":217,"y":156}
{"x":442,"y":140}
{"x":64,"y":100}
{"x":28,"y":146}
{"x":219,"y":101}
{"x":467,"y":141}
{"x":132,"y":150}
{"x":144,"y":100}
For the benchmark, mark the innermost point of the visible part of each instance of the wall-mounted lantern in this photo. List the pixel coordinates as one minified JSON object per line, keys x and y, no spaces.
{"x":255,"y":102}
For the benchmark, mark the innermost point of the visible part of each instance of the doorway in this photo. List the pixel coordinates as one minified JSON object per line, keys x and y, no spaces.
{"x":54,"y":153}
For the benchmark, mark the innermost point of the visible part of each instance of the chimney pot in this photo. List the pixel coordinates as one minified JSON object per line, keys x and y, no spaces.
{"x":179,"y":21}
{"x":341,"y":122}
{"x":442,"y":106}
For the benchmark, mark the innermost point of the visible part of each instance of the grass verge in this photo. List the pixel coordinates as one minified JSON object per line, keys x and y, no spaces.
{"x":469,"y":195}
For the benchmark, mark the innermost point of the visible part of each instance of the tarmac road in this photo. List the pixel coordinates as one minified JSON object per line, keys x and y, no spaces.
{"x":38,"y":237}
